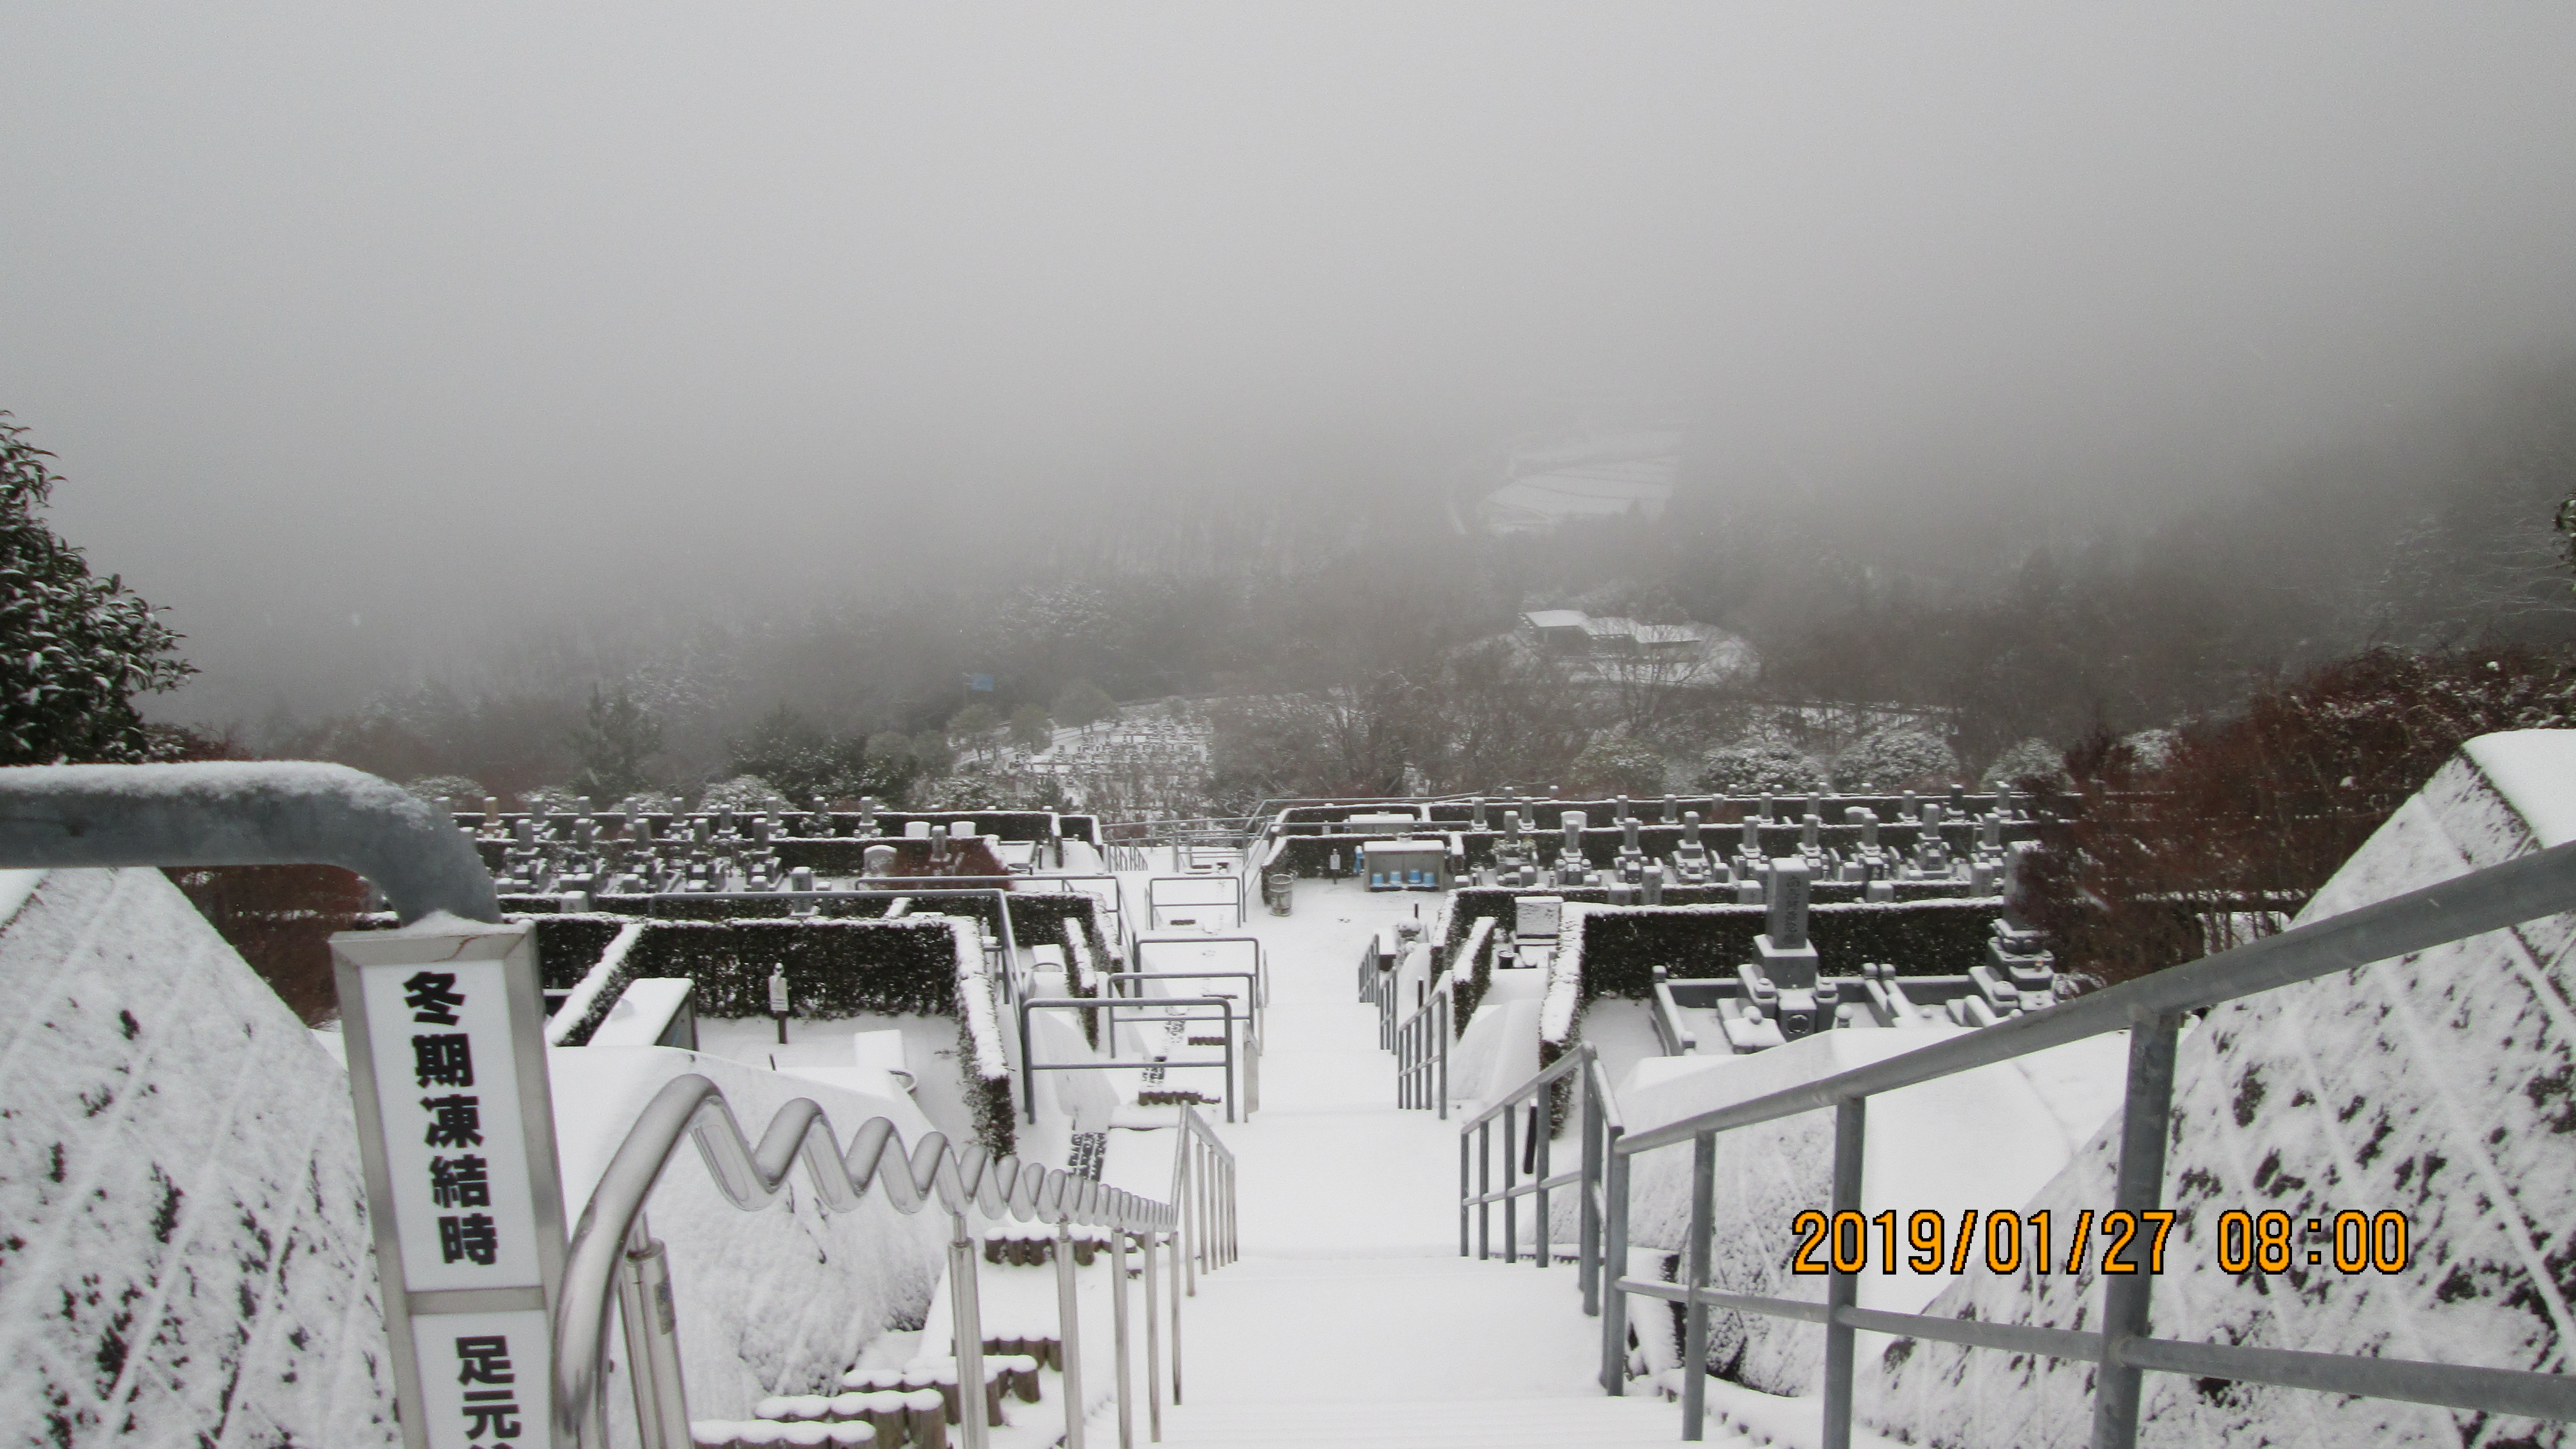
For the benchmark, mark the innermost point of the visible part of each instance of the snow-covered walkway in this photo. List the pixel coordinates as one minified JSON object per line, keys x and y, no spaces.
{"x":1350,"y":1319}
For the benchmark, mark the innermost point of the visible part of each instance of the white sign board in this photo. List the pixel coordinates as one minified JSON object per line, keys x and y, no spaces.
{"x":456,"y":1130}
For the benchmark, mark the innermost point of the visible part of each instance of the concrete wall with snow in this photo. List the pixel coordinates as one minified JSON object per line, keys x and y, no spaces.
{"x":2442,"y":1085}
{"x":184,"y":1254}
{"x":1991,"y":1135}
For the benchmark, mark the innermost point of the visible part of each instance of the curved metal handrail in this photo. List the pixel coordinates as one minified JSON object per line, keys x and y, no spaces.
{"x":241,"y":813}
{"x":750,"y":1178}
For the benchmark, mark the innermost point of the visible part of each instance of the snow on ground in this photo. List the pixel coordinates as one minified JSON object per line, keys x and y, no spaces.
{"x":2434,"y":1085}
{"x":929,"y":1044}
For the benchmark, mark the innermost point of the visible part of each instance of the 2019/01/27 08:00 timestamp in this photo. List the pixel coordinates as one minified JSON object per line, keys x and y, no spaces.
{"x":2127,"y":1242}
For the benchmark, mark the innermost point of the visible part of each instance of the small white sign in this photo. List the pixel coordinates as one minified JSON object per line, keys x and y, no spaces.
{"x":447,"y":1069}
{"x":455,"y":1147}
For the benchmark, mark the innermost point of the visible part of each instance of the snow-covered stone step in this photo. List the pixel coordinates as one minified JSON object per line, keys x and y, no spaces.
{"x":1596,"y":1423}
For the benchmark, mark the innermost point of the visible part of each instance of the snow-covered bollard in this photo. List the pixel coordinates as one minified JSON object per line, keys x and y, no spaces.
{"x":925,"y":1419}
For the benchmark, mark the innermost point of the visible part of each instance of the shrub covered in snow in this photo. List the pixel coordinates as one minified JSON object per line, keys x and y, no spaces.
{"x":1617,"y":764}
{"x":549,"y":800}
{"x":2031,"y":759}
{"x":1759,"y":767}
{"x":742,"y":793}
{"x":459,"y":792}
{"x":1896,"y":759}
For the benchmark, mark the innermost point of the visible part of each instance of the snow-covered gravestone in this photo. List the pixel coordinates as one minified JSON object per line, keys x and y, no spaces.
{"x":447,"y":1068}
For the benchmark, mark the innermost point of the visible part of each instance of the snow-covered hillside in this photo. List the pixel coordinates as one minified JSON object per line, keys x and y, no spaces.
{"x":2438,"y":1085}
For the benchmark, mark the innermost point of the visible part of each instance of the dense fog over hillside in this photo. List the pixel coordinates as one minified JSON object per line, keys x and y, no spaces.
{"x":508,"y":350}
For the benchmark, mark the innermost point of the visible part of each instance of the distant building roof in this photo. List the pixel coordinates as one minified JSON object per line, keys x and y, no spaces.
{"x":1555,"y":618}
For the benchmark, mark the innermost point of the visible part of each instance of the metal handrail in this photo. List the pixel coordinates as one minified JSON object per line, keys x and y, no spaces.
{"x":1255,"y":1040}
{"x":750,"y":1178}
{"x":1422,"y":1054}
{"x":1530,"y":1160}
{"x":1029,"y":1068}
{"x":245,"y":813}
{"x":2540,"y":884}
{"x":1260,"y":957}
{"x":1153,"y":906}
{"x":1377,"y":988}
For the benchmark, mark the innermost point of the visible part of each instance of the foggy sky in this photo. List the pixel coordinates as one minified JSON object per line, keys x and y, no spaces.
{"x":360,"y":330}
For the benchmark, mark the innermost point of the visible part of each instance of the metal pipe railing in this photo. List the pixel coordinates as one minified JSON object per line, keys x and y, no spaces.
{"x":1422,"y":1055}
{"x":2152,"y":1009}
{"x":1255,"y":1041}
{"x":240,"y":813}
{"x":750,"y":1178}
{"x":1029,"y":1068}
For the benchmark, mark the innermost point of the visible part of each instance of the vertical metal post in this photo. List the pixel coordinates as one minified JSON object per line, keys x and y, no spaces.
{"x":652,"y":1341}
{"x":1444,"y":1029}
{"x":966,"y":1313}
{"x":1540,"y":1138}
{"x":1466,"y":1190}
{"x":1511,"y":1179}
{"x":1842,"y":1290}
{"x":1153,"y":1343}
{"x":1484,"y":1185}
{"x":1614,"y":1266}
{"x":2145,"y":1124}
{"x":1179,"y":1259}
{"x":1587,"y":1208}
{"x":1695,"y":1317}
{"x":1068,"y":1328}
{"x":1118,"y":1330}
{"x":1229,"y":1058}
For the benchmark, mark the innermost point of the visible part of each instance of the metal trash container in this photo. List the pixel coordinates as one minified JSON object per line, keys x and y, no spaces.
{"x":1283,"y":884}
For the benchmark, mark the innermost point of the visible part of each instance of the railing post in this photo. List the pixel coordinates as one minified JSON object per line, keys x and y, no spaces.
{"x":1153,"y":1344}
{"x":652,"y":1341}
{"x":1695,"y":1317}
{"x":1484,"y":1185}
{"x":967,"y":1320}
{"x":1511,"y":1178}
{"x":1465,"y":1191}
{"x":1542,"y":1139}
{"x":1444,"y":1029}
{"x":1587,"y":1249}
{"x":2146,"y":1119}
{"x":1180,"y":1259}
{"x":1118,"y":1331}
{"x":1614,"y":1266}
{"x":1068,"y":1328}
{"x":1842,"y":1290}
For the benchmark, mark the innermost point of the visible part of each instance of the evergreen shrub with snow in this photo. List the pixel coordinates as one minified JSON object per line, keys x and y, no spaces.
{"x":1760,"y":767}
{"x":742,"y":793}
{"x":1617,"y":764}
{"x":1897,"y":759}
{"x":2031,"y":759}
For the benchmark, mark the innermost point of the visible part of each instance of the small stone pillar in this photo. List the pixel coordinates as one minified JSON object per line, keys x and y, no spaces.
{"x":1572,"y":822}
{"x":1628,"y":836}
{"x":1672,"y":803}
{"x":1782,"y":950}
{"x":1690,"y":828}
{"x":1479,"y":818}
{"x":1654,"y":883}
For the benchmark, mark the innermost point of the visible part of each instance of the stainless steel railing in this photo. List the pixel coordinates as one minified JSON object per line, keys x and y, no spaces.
{"x":612,"y":1233}
{"x":2150,"y":1008}
{"x":1030,"y":1066}
{"x":1527,"y":1156}
{"x":1377,"y":988}
{"x":1422,"y":1055}
{"x":1203,"y":1195}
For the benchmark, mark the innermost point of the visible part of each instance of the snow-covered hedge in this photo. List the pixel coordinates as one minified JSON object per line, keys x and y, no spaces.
{"x":1759,"y":767}
{"x":1897,"y":758}
{"x":1622,"y":945}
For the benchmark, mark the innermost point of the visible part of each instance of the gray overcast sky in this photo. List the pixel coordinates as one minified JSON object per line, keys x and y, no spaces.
{"x":436,"y":314}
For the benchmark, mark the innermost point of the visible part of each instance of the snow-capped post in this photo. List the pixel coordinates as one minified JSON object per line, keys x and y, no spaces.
{"x":444,"y":1026}
{"x":778,"y":1000}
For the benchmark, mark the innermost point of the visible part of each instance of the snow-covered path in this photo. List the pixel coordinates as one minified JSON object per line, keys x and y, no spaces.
{"x":1349,"y":1318}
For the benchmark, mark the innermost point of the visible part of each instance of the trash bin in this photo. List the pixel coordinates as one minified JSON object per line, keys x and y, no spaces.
{"x":1282,"y":883}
